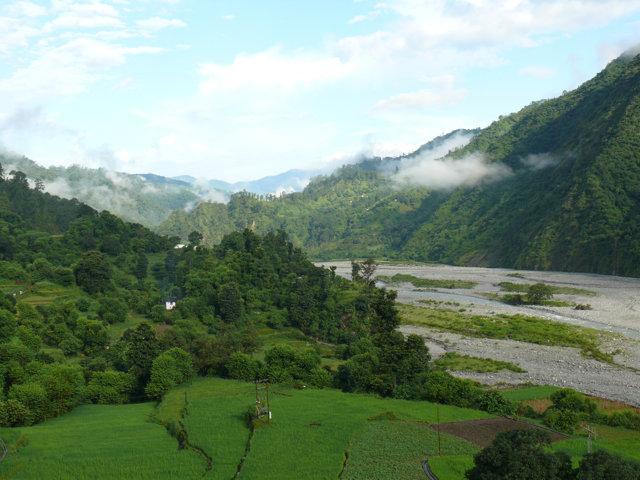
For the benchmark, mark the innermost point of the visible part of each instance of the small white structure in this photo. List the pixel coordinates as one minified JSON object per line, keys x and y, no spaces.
{"x":179,"y":246}
{"x":169,"y":305}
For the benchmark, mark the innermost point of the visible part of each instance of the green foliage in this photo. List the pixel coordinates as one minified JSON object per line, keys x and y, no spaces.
{"x":602,"y":465}
{"x":241,"y":366}
{"x":428,"y":282}
{"x":93,"y":272}
{"x":110,"y":387}
{"x":520,"y":454}
{"x":538,"y":293}
{"x":169,"y":369}
{"x":456,"y":362}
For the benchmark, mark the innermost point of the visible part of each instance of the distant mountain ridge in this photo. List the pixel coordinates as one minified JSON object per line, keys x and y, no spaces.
{"x":146,"y":198}
{"x":553,"y":186}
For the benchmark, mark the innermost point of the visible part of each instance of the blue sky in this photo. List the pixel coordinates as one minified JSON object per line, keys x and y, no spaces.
{"x":238,"y":90}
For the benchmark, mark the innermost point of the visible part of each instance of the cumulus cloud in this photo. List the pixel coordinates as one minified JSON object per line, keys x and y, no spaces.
{"x":272,"y":70}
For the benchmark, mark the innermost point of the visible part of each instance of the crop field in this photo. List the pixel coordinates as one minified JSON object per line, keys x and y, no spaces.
{"x":313,"y":435}
{"x":94,"y":443}
{"x":200,"y":431}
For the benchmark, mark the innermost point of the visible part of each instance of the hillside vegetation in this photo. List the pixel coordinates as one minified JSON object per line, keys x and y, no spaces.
{"x":571,"y":199}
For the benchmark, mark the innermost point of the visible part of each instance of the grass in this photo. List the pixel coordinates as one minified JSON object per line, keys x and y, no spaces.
{"x":524,"y":288}
{"x":309,"y":435}
{"x":514,"y":327}
{"x":451,"y":467}
{"x":314,"y":434}
{"x":619,"y":441}
{"x":395,"y":449}
{"x":427,"y":282}
{"x":456,"y":362}
{"x":98,"y":442}
{"x":537,"y":392}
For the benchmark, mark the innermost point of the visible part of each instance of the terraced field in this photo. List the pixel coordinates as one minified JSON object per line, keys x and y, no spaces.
{"x":200,"y":431}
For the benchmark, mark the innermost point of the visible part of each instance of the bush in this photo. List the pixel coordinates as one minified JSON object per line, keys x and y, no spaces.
{"x":561,"y":420}
{"x":242,"y":367}
{"x":110,"y":387}
{"x":169,"y":369}
{"x":602,"y":465}
{"x":538,"y":293}
{"x":34,"y":397}
{"x":8,"y":325}
{"x":112,"y":310}
{"x":13,"y":414}
{"x":568,"y":399}
{"x":519,"y":454}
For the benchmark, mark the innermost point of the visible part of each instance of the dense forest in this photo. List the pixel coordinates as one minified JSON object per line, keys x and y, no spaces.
{"x":570,"y":202}
{"x":83,"y":315}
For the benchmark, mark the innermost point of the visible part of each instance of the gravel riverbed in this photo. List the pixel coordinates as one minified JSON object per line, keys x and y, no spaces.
{"x":615,"y":309}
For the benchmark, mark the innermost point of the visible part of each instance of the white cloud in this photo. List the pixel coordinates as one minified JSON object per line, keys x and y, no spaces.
{"x":26,"y":9}
{"x":536,"y":71}
{"x":158,"y":23}
{"x":447,"y":173}
{"x":442,"y":93}
{"x":229,"y":17}
{"x":272,"y":70}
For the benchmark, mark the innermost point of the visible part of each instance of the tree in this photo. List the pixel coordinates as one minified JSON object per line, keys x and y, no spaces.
{"x":519,"y":454}
{"x":195,"y":238}
{"x":538,"y":293}
{"x":93,"y":272}
{"x":110,"y":387}
{"x":141,"y":348}
{"x":141,"y":266}
{"x":112,"y":310}
{"x":169,"y":369}
{"x":602,"y":465}
{"x":230,"y":302}
{"x":8,"y":325}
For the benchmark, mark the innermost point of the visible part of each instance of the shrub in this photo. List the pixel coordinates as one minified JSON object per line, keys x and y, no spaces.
{"x":561,"y":420}
{"x":602,"y":465}
{"x":110,"y":387}
{"x":13,"y":413}
{"x":169,"y":369}
{"x":242,"y":367}
{"x":112,"y":310}
{"x":538,"y":293}
{"x":519,"y":454}
{"x":34,"y":397}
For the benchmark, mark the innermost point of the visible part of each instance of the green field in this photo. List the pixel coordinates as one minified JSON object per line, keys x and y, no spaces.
{"x":524,"y":288}
{"x":97,"y":442}
{"x":314,"y":434}
{"x":311,"y":434}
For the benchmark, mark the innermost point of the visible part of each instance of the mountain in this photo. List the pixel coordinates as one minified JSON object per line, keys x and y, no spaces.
{"x":553,"y":186}
{"x":145,"y":199}
{"x":286,"y":182}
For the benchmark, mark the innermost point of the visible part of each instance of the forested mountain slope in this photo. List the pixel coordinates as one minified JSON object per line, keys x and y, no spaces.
{"x":568,"y":197}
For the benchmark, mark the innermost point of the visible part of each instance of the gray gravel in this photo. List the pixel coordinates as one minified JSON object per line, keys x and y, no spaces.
{"x":544,"y":365}
{"x":616,"y":309}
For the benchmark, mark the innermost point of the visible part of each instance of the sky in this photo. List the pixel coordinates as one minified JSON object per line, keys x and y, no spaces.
{"x":236,"y":90}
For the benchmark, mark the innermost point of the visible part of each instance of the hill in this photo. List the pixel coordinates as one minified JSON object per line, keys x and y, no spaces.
{"x":553,"y":186}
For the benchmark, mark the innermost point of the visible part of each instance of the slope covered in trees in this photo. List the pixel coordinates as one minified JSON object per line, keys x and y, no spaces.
{"x":568,"y":199}
{"x":83,"y":318}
